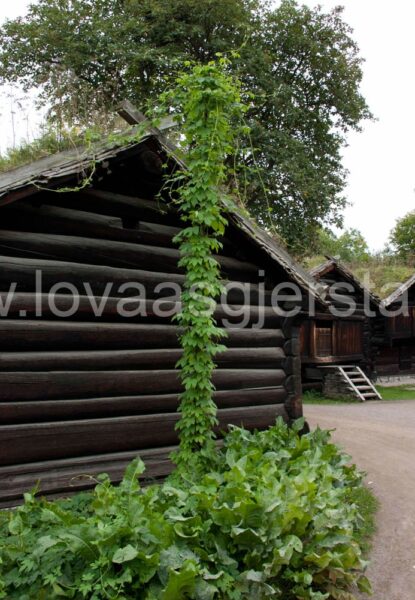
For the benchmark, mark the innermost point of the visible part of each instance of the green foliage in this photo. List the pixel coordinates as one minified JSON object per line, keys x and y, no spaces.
{"x":48,"y":143}
{"x":299,"y":67}
{"x":382,"y":275}
{"x":381,"y":272}
{"x":350,"y":246}
{"x":368,"y":506}
{"x":208,"y":101}
{"x":315,"y":397}
{"x":403,"y":236}
{"x":275,"y":516}
{"x":398,"y":392}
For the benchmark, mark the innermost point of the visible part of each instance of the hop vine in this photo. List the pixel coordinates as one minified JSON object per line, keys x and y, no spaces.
{"x":208,"y":101}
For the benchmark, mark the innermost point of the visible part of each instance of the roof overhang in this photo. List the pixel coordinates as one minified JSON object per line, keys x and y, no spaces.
{"x":59,"y":169}
{"x":394,"y":297}
{"x":332,"y":264}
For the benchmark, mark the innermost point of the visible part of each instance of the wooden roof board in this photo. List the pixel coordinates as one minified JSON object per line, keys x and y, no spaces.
{"x":46,"y":172}
{"x":394,"y":297}
{"x":333,"y":264}
{"x":276,"y":252}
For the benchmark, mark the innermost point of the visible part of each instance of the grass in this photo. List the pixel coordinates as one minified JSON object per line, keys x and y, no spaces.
{"x":385,"y":275}
{"x":48,"y":143}
{"x":399,"y":392}
{"x":313,"y":397}
{"x":368,"y":506}
{"x":381,"y":274}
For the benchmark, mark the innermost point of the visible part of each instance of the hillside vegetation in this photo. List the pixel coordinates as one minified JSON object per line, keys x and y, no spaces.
{"x":381,"y":272}
{"x":381,"y":275}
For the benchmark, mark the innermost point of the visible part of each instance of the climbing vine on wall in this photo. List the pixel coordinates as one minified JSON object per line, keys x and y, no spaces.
{"x":207,"y":100}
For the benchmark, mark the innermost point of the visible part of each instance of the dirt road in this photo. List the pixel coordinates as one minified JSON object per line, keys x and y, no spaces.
{"x":381,"y":438}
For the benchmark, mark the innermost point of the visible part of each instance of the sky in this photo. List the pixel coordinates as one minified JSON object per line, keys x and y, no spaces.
{"x":380,"y":159}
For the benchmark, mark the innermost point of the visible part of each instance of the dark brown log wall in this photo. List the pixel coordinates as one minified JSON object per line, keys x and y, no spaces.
{"x":397,"y":359}
{"x":353,"y":338}
{"x":85,"y":393}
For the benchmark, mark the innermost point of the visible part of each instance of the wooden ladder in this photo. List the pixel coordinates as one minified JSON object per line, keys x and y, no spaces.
{"x":358,"y":382}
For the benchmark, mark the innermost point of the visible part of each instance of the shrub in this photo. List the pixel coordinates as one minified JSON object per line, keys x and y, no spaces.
{"x":272,"y":518}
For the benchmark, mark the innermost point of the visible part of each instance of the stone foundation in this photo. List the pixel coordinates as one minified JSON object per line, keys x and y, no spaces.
{"x":334,"y":386}
{"x":392,"y":380}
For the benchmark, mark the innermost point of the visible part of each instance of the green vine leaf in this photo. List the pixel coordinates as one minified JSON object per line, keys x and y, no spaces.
{"x":209,"y":111}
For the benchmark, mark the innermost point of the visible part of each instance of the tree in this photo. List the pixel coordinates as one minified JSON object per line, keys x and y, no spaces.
{"x":350,"y":246}
{"x":403,"y":236}
{"x":300,"y":71}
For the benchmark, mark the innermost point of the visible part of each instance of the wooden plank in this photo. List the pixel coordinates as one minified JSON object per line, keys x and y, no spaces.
{"x":112,"y":204}
{"x":39,"y":441}
{"x":320,"y":316}
{"x":107,"y":252}
{"x":80,"y":463}
{"x":30,"y":305}
{"x":46,"y":441}
{"x":327,"y":360}
{"x":23,"y":271}
{"x":123,"y":281}
{"x":62,"y":335}
{"x":22,"y":385}
{"x":74,"y":474}
{"x":132,"y":116}
{"x":66,"y":221}
{"x":83,"y":250}
{"x":293,"y":382}
{"x":132,"y":359}
{"x":88,"y":408}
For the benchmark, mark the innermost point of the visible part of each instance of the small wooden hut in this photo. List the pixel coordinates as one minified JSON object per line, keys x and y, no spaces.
{"x":84,"y":391}
{"x":397,"y":353}
{"x":343,"y":339}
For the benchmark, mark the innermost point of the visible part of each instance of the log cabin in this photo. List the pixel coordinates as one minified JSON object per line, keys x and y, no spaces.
{"x":347,"y":335}
{"x":397,"y":353}
{"x":87,"y":369}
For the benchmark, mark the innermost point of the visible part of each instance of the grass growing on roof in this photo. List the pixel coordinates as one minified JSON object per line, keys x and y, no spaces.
{"x":46,"y":144}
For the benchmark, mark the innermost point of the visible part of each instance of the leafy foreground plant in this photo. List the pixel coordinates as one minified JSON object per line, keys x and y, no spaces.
{"x":272,"y":518}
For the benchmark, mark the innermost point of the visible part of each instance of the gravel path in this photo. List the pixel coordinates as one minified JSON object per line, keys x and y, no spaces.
{"x":381,"y":438}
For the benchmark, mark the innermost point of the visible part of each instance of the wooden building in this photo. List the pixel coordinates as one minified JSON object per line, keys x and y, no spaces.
{"x":397,"y":354}
{"x":84,"y":391}
{"x":347,"y":334}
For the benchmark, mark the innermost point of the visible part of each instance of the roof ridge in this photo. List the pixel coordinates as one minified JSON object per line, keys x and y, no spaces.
{"x":27,"y":179}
